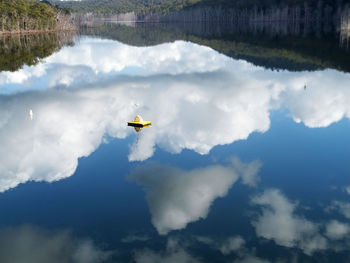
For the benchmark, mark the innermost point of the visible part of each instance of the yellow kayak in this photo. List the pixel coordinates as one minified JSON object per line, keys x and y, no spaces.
{"x":139,"y":122}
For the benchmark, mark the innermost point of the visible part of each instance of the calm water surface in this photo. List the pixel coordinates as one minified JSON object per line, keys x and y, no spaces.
{"x":247,"y":158}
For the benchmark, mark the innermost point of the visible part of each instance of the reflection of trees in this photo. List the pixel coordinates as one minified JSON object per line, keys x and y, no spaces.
{"x":18,"y":50}
{"x":345,"y":38}
{"x":345,"y":28}
{"x":320,"y":16}
{"x":276,"y":47}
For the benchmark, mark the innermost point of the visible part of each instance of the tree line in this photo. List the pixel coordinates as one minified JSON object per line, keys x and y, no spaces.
{"x":29,"y":15}
{"x":124,"y":6}
{"x":167,"y":6}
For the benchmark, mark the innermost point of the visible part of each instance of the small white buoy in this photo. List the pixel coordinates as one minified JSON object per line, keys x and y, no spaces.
{"x":31,"y":114}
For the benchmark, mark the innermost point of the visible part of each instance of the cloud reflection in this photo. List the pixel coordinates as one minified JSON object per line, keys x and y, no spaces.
{"x":173,"y":253}
{"x":177,"y":197}
{"x":35,"y":245}
{"x":177,"y":250}
{"x":233,"y":244}
{"x":93,"y":58}
{"x":342,"y":207}
{"x":337,"y":230}
{"x":280,"y":223}
{"x":195,"y":97}
{"x":70,"y":124}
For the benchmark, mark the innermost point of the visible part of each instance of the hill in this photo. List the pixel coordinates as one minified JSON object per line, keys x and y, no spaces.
{"x":166,"y":6}
{"x":124,"y":6}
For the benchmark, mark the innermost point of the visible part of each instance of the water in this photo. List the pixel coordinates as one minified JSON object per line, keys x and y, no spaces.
{"x":246,"y":160}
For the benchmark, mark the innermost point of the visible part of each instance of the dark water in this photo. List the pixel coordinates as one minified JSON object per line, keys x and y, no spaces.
{"x":247,"y":158}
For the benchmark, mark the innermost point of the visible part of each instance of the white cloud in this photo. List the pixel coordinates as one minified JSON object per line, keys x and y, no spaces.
{"x":204,"y":239}
{"x":232,"y":244}
{"x":65,"y":127}
{"x":177,"y":197}
{"x":195,"y":97}
{"x":34,"y":245}
{"x":279,"y":222}
{"x":69,"y":124}
{"x":179,"y":255}
{"x":101,"y":57}
{"x":347,"y":189}
{"x":174,"y":253}
{"x":337,"y":230}
{"x":325,"y":101}
{"x":185,"y":114}
{"x":342,"y":207}
{"x":135,"y":238}
{"x":248,"y":171}
{"x":251,"y":259}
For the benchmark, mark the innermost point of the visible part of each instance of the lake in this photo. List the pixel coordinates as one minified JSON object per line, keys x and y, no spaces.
{"x":247,"y":159}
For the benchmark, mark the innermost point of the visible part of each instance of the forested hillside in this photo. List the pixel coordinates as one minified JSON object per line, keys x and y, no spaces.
{"x":166,"y":6}
{"x":124,"y":6}
{"x":269,"y":3}
{"x":30,"y":15}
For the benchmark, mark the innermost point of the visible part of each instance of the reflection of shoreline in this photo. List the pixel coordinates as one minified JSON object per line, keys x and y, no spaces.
{"x":31,"y":47}
{"x":126,"y":23}
{"x":345,"y":29}
{"x":273,"y":47}
{"x":345,"y":39}
{"x":26,"y":32}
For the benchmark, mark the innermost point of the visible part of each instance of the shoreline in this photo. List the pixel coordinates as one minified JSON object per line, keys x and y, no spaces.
{"x":25,"y":32}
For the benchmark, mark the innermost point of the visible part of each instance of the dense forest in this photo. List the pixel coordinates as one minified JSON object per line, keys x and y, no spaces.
{"x":31,"y":15}
{"x":124,"y":6}
{"x":167,"y":6}
{"x":332,"y":15}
